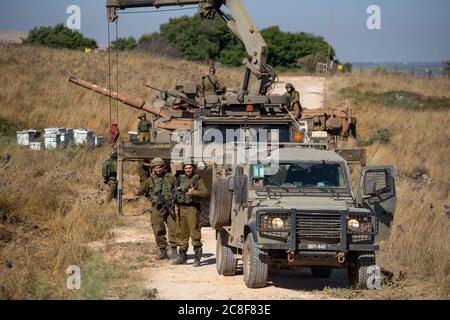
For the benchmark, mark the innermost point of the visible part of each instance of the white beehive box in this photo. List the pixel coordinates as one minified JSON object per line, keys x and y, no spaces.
{"x":49,"y":131}
{"x":37,"y":146}
{"x":83,"y":136}
{"x":25,"y":137}
{"x":133,"y":136}
{"x":52,"y":141}
{"x":99,"y":141}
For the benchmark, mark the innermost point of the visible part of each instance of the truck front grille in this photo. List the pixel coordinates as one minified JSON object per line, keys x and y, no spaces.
{"x":322,"y":227}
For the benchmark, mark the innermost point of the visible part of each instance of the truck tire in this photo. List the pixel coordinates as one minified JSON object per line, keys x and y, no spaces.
{"x":226,"y":260}
{"x":358,"y":273}
{"x":256,"y":265}
{"x":321,"y":272}
{"x":220,"y":205}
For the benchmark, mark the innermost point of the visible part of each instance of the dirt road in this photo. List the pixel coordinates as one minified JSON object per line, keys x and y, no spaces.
{"x":187,"y":282}
{"x":311,"y":89}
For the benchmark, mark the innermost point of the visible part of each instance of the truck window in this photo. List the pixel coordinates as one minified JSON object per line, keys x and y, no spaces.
{"x":301,"y":175}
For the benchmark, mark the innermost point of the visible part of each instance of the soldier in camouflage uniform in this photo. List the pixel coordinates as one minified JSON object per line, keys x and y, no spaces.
{"x":144,"y":128}
{"x":211,"y":84}
{"x":109,"y":173}
{"x":295,"y":106}
{"x":190,"y":189}
{"x":158,"y":187}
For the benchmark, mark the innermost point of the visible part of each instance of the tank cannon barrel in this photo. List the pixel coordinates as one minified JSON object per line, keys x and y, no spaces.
{"x":134,"y":102}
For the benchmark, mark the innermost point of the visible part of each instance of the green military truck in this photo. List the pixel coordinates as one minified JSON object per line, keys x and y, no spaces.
{"x":303,"y":215}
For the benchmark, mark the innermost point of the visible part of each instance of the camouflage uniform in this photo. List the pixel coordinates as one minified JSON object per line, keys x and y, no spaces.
{"x":159,"y":190}
{"x":295,"y":101}
{"x":211,"y":85}
{"x":144,"y":129}
{"x":109,"y":173}
{"x":188,"y":219}
{"x":144,"y":172}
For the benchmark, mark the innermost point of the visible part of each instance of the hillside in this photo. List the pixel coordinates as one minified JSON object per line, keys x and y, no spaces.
{"x":51,"y":204}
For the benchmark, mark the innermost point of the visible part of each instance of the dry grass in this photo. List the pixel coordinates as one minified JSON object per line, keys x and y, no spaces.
{"x":419,"y":148}
{"x":51,"y":202}
{"x":35,"y":85}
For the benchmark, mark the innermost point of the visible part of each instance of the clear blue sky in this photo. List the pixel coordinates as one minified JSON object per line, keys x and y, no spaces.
{"x":412,"y":30}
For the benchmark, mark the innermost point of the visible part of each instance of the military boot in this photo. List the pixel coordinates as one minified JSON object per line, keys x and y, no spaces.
{"x":173,"y":254}
{"x":198,"y":257}
{"x":182,"y":258}
{"x":163,"y":254}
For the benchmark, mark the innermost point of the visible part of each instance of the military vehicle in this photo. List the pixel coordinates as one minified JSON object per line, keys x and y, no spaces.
{"x":304,"y":214}
{"x":290,"y":222}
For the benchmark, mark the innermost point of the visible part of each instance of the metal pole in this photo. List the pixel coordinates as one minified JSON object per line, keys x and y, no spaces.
{"x":119,"y":185}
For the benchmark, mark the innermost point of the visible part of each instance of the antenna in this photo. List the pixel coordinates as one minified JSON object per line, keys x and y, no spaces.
{"x":330,"y":41}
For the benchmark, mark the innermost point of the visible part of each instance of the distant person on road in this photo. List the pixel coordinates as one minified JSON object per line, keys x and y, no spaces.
{"x":159,"y":187}
{"x":144,"y":128}
{"x":109,"y":173}
{"x":190,"y":190}
{"x":211,"y":85}
{"x":295,"y":107}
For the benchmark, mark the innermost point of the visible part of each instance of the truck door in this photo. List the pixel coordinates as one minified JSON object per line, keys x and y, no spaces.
{"x":376,"y":191}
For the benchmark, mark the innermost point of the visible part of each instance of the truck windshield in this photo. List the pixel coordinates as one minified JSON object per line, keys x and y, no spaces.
{"x":300,"y":175}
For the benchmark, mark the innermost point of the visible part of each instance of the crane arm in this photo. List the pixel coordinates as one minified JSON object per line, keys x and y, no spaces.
{"x":259,"y":76}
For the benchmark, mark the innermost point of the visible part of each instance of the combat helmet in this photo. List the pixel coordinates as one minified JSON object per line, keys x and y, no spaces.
{"x":114,"y":154}
{"x":188,"y":162}
{"x":289,"y":86}
{"x":142,"y":115}
{"x":157,"y":162}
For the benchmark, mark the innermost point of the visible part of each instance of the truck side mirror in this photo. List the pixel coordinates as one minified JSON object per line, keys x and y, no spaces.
{"x":231,"y":184}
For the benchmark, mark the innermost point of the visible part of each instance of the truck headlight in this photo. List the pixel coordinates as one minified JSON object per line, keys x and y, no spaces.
{"x":353,"y":224}
{"x":277,"y":223}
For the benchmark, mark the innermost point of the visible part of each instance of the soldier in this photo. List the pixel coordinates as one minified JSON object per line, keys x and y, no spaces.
{"x":211,"y":85}
{"x":295,"y":107}
{"x":109,"y":173}
{"x":159,"y":188}
{"x":190,"y":189}
{"x":144,"y":128}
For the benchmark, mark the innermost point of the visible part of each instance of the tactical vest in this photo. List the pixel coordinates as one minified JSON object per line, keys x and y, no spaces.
{"x":160,"y":194}
{"x":183,"y":186}
{"x":144,"y":126}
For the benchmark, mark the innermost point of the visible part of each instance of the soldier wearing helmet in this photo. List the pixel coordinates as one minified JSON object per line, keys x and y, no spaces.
{"x":109,"y":173}
{"x":190,"y":190}
{"x":211,"y":85}
{"x":144,"y":128}
{"x":295,"y":107}
{"x":158,"y":188}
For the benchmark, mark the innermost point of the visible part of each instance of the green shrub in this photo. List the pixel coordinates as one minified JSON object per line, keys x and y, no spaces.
{"x":60,"y":37}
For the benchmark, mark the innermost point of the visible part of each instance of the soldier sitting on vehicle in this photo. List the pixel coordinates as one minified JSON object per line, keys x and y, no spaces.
{"x":159,"y":187}
{"x":109,"y":173}
{"x":144,"y":128}
{"x":211,"y":85}
{"x":190,"y":189}
{"x":295,"y":107}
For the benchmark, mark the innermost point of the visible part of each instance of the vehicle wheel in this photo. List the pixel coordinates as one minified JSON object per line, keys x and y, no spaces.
{"x":220,"y":206}
{"x":358,"y":272}
{"x":321,"y":272}
{"x":256,"y":264}
{"x":226,"y":262}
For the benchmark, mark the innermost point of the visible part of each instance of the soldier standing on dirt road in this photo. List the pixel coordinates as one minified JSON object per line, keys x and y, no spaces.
{"x":211,"y":85}
{"x":295,"y":106}
{"x":144,"y":128}
{"x":159,"y":188}
{"x":109,"y":173}
{"x":190,"y":189}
